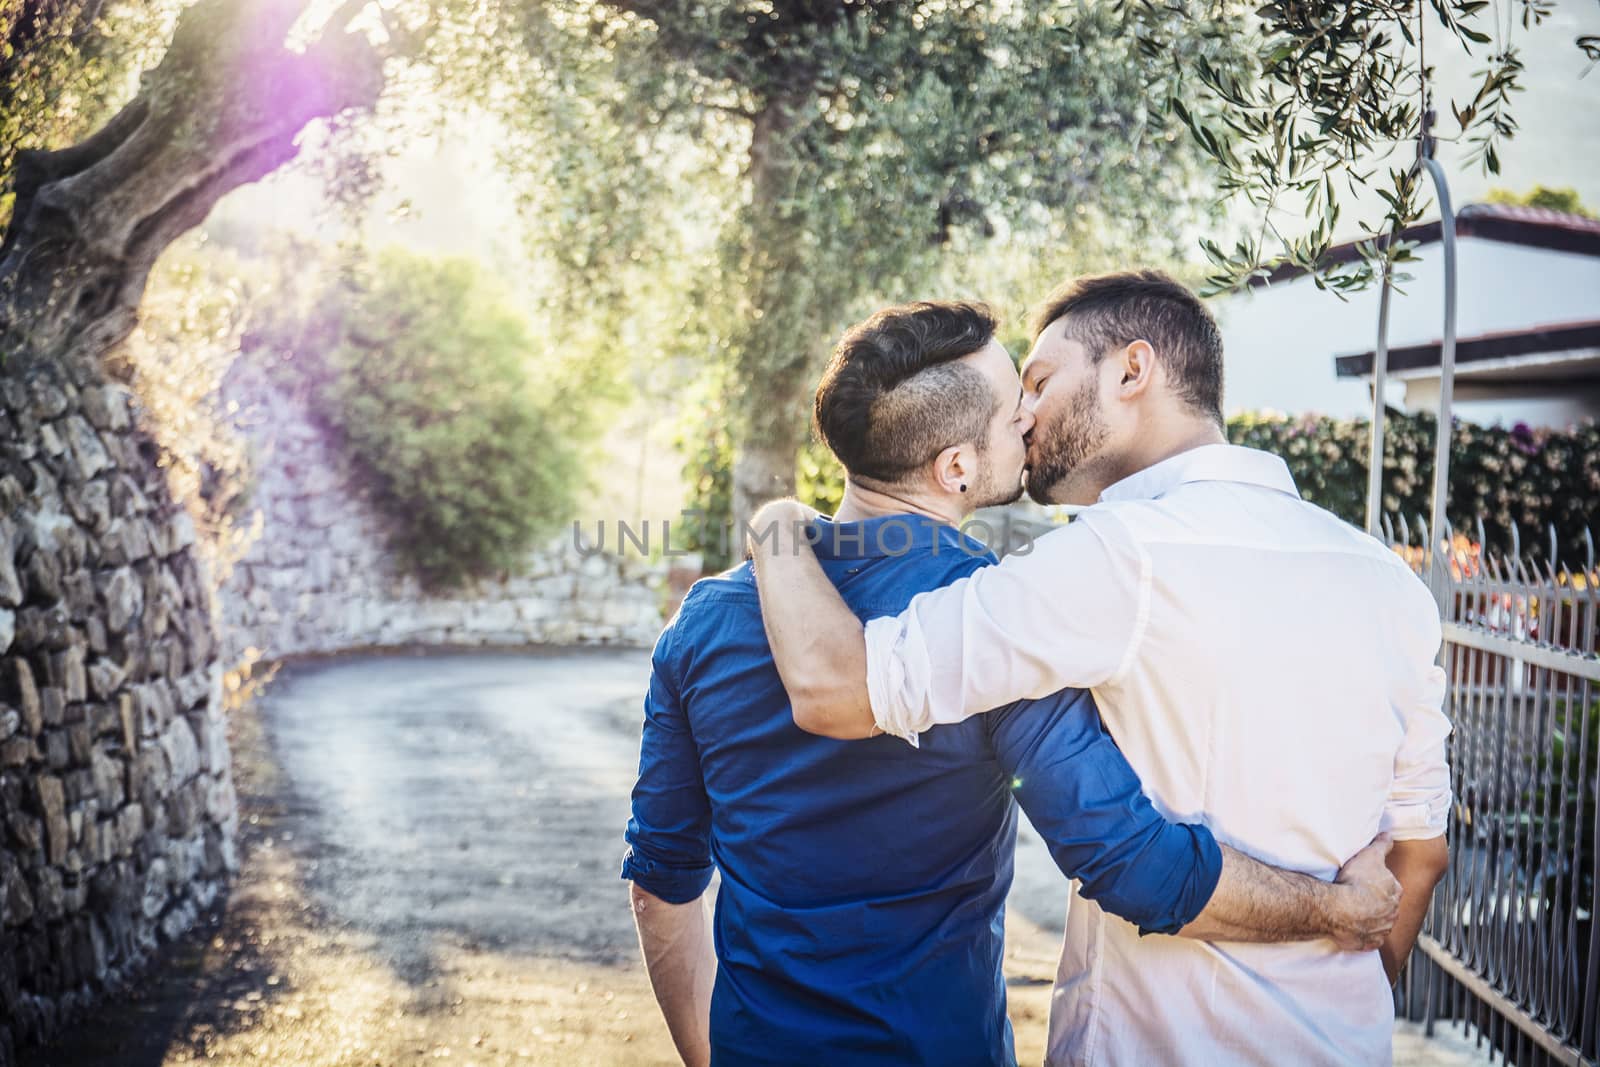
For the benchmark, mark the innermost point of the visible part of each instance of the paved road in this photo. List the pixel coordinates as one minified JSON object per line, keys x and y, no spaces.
{"x":484,"y":795}
{"x":481,"y":795}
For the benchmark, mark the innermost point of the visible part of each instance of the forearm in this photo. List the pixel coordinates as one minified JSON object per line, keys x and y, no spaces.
{"x":1417,"y":865}
{"x":1255,"y":902}
{"x":817,"y":642}
{"x":678,"y":954}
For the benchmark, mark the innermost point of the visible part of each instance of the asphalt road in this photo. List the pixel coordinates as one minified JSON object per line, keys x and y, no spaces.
{"x":431,"y":842}
{"x":470,"y":795}
{"x":484,"y":795}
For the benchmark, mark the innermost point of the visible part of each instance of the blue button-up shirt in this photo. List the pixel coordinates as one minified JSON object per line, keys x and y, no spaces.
{"x":861,"y":913}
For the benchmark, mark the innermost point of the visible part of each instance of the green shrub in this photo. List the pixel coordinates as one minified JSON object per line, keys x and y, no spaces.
{"x":466,"y":434}
{"x":819,"y":480}
{"x":706,"y":442}
{"x":1534,"y":478}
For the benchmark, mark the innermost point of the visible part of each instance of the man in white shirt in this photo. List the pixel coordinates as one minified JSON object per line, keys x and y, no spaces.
{"x":1268,"y":670}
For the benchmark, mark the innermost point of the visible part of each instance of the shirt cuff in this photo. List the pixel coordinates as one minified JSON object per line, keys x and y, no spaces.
{"x":1417,"y":819}
{"x":675,"y":885}
{"x":1197,"y":889}
{"x":886,"y":680}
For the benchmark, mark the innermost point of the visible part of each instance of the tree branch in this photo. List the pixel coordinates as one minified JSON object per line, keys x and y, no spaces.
{"x":223,"y":109}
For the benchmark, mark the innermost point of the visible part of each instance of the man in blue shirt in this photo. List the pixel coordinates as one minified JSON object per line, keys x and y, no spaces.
{"x":850,"y":927}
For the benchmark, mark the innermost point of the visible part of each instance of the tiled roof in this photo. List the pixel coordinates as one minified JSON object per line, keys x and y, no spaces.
{"x":1534,"y":227}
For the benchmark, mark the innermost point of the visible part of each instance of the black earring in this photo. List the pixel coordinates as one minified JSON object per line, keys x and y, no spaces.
{"x":963,"y":487}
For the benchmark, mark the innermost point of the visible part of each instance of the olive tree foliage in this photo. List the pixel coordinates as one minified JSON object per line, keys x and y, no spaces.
{"x":1334,"y":99}
{"x":64,"y":64}
{"x":768,"y":169}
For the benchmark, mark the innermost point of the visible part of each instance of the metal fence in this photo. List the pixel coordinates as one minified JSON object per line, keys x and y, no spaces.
{"x":1511,"y":947}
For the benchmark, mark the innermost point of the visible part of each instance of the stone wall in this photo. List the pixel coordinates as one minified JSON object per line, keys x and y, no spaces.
{"x":117,"y":811}
{"x":318,"y":577}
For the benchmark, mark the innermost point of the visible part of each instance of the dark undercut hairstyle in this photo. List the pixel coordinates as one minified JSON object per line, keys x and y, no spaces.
{"x":1112,"y":310}
{"x":894,"y":396}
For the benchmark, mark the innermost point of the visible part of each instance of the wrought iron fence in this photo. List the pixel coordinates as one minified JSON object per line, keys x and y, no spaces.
{"x":1511,"y":947}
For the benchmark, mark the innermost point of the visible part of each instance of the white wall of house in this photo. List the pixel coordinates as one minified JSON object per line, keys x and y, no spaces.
{"x":1280,"y":341}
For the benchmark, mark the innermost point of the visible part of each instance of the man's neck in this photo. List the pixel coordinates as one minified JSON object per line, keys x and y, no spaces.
{"x":1183,"y":434}
{"x":861,"y":502}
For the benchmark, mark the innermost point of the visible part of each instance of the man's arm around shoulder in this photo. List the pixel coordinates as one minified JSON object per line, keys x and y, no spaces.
{"x":1066,"y":614}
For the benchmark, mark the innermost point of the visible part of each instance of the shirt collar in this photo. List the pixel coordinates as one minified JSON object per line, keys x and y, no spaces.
{"x":1208,"y":463}
{"x":888,"y":535}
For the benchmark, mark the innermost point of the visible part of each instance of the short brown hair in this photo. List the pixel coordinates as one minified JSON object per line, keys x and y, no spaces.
{"x":893,"y":396}
{"x":1110,"y":310}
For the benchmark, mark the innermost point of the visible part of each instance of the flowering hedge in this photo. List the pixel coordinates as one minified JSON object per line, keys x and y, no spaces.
{"x":1531,"y":477}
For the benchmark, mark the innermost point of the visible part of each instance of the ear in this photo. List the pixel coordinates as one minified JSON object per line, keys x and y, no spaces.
{"x":954,"y":467}
{"x":1137,"y":362}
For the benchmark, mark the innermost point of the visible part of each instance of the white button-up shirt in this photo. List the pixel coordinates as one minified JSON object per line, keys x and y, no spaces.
{"x":1269,"y":670}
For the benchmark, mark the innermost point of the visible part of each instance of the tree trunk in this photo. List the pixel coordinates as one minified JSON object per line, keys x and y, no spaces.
{"x":771,"y":355}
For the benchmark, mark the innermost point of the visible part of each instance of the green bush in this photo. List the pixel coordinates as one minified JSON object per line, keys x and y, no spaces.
{"x":466,"y":434}
{"x":819,"y":480}
{"x":708,"y":470}
{"x":1533,"y":478}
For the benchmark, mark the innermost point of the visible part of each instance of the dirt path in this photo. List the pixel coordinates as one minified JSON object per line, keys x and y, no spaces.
{"x":429,"y":874}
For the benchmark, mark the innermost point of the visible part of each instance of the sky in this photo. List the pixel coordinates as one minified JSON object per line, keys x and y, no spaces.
{"x":1558,"y":140}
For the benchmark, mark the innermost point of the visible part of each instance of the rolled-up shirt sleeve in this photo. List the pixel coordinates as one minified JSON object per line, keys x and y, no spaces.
{"x":1069,"y":613}
{"x":1086,"y":802}
{"x":669,"y":833}
{"x":1418,"y":805}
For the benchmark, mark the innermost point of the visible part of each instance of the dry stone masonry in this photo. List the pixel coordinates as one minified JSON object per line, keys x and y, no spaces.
{"x":319,"y":579}
{"x":117,"y":809}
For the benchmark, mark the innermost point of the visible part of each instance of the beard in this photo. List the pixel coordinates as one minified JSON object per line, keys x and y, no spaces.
{"x":995,"y":491}
{"x":1061,"y":449}
{"x":992,"y":488}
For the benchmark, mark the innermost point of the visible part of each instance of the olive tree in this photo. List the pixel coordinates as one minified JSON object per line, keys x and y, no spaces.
{"x":1334,"y":99}
{"x":845,"y":150}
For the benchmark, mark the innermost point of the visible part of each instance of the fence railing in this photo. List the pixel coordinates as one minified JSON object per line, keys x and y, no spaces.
{"x":1511,"y":945}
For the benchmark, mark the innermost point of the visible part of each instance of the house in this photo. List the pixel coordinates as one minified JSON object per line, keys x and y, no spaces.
{"x":1527,"y":330}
